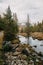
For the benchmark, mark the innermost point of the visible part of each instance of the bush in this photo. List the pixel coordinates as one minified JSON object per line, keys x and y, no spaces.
{"x":7,"y":47}
{"x":9,"y":36}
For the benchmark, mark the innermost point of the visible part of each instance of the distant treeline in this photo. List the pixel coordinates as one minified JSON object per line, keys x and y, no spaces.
{"x":37,"y":27}
{"x":32,"y":28}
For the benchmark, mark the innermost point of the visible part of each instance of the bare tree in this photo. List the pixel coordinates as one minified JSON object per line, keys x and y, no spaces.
{"x":28,"y":27}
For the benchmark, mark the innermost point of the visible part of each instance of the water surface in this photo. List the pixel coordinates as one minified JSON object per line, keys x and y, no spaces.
{"x":32,"y":42}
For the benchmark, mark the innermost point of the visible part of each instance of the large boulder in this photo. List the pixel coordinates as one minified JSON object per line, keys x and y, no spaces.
{"x":25,"y":52}
{"x":23,"y":57}
{"x":16,"y":53}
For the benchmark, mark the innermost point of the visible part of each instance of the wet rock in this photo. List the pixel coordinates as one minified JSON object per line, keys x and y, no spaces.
{"x":24,"y":57}
{"x":14,"y":47}
{"x":16,"y":53}
{"x":18,"y":49}
{"x":25,"y":52}
{"x":35,"y":46}
{"x":16,"y":41}
{"x":19,"y":55}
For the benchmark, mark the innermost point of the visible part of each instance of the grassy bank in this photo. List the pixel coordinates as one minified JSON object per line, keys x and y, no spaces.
{"x":35,"y":35}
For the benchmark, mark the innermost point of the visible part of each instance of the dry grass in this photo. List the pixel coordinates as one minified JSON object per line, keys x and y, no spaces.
{"x":1,"y":38}
{"x":38,"y":35}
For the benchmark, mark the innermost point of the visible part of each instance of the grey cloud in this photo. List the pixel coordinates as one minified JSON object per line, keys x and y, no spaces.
{"x":23,"y":7}
{"x":1,"y":1}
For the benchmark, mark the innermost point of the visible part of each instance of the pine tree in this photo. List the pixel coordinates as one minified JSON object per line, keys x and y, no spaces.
{"x":11,"y":28}
{"x":8,"y":14}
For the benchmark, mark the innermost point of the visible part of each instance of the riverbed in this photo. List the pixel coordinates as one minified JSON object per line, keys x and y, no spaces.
{"x":33,"y":43}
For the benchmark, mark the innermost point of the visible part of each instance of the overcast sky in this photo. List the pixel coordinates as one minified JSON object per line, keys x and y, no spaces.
{"x":23,"y":7}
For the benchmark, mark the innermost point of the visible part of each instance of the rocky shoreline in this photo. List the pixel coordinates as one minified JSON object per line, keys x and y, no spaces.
{"x":21,"y":54}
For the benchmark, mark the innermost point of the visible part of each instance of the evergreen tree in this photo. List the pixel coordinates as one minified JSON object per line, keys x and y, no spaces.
{"x":8,"y":14}
{"x":2,"y":25}
{"x":11,"y":28}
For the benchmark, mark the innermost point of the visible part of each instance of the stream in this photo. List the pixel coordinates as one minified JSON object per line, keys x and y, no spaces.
{"x":35,"y":43}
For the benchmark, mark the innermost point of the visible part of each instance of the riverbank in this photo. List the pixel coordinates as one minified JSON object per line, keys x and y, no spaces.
{"x":35,"y":35}
{"x":22,"y":54}
{"x":22,"y":34}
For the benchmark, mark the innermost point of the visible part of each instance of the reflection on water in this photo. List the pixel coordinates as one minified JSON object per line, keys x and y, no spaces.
{"x":33,"y":43}
{"x":36,"y":43}
{"x":23,"y":39}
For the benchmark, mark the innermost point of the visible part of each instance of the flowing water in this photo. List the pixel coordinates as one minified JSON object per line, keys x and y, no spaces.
{"x":33,"y":43}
